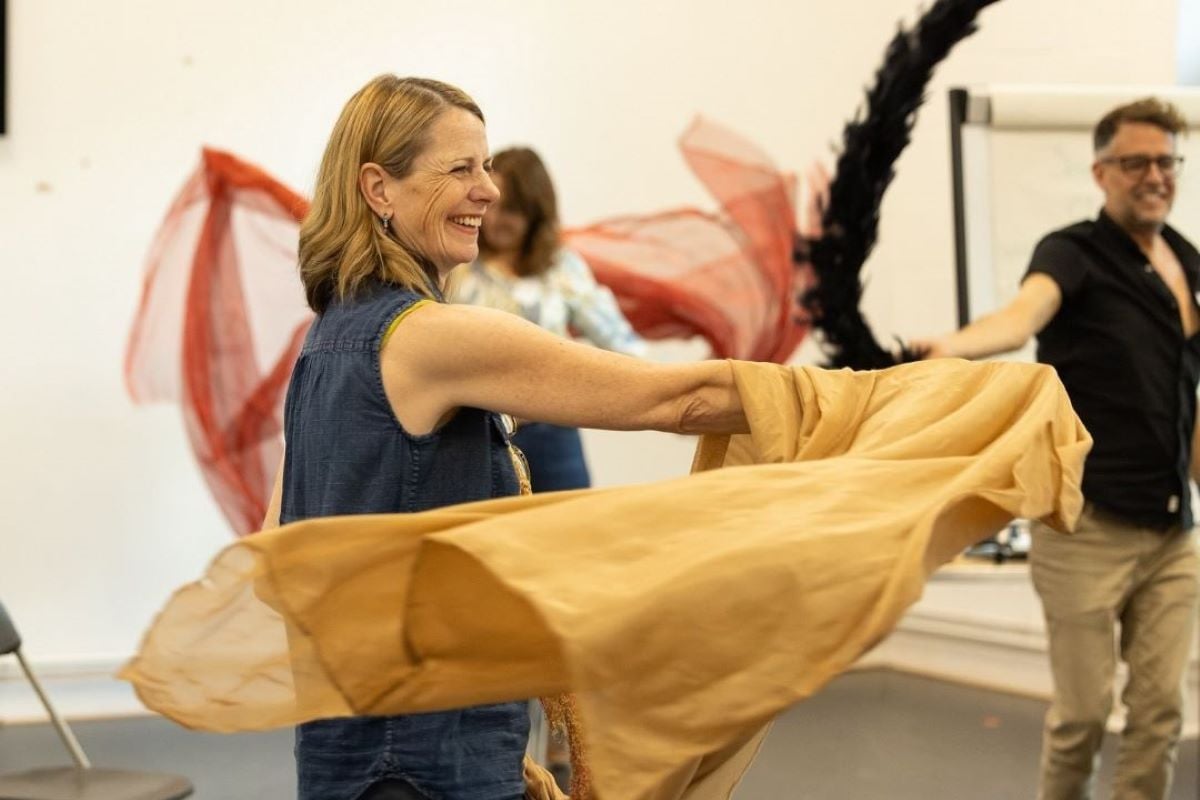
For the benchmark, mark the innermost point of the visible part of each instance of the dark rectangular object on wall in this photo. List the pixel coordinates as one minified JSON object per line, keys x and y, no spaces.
{"x":958,"y":118}
{"x":3,"y":67}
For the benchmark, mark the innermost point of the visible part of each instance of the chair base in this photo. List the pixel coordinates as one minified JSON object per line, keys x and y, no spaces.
{"x":72,"y":783}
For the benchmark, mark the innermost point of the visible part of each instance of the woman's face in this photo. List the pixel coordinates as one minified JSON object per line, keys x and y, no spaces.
{"x":504,"y":228}
{"x":439,"y":205}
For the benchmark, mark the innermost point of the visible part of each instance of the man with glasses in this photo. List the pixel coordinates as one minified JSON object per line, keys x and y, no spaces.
{"x":1112,"y":302}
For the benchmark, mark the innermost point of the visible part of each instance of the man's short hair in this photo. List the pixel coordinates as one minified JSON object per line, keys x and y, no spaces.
{"x":1149,"y":110}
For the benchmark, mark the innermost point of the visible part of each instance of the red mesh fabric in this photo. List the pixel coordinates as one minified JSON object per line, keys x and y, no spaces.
{"x":222,"y":315}
{"x":220,"y":324}
{"x":729,"y":277}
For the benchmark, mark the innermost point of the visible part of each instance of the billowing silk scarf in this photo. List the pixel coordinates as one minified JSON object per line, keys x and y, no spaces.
{"x":683,"y":615}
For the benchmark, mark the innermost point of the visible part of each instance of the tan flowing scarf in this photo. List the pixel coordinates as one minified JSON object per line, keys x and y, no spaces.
{"x":682,"y":615}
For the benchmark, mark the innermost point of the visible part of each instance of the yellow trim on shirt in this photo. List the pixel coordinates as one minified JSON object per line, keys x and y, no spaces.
{"x":400,"y":318}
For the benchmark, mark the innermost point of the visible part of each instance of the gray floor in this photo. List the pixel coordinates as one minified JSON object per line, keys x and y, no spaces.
{"x":887,"y":735}
{"x":868,"y":735}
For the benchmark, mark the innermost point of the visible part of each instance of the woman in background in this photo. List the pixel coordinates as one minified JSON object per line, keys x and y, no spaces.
{"x":524,"y":268}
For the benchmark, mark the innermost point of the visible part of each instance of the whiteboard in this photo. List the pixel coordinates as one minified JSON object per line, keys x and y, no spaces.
{"x":1023,"y":168}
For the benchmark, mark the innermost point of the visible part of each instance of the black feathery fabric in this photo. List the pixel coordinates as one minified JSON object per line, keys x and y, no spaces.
{"x":871,"y":143}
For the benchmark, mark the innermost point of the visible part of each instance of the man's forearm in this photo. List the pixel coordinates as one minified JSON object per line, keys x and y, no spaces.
{"x":996,"y":333}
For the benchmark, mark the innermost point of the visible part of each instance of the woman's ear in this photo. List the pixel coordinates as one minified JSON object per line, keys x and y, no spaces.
{"x":373,"y":183}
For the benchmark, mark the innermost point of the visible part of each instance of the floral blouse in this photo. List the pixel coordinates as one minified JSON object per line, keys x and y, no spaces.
{"x":563,"y":299}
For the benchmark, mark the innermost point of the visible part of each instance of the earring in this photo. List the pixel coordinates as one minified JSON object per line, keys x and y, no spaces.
{"x":386,"y":220}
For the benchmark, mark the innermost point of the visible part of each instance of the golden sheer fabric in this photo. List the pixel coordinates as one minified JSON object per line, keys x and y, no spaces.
{"x":684,"y":614}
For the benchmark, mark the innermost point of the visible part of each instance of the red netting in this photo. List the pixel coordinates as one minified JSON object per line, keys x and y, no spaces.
{"x":220,"y":324}
{"x":730,"y":277}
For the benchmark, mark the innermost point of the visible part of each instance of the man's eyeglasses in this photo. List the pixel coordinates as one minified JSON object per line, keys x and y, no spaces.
{"x":1169,"y":166}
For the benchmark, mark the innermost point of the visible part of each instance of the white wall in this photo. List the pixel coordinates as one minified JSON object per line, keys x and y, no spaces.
{"x":1188,"y":44}
{"x":104,"y":512}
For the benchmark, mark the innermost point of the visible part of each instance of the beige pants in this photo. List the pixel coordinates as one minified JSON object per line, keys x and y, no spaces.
{"x":1110,"y":572}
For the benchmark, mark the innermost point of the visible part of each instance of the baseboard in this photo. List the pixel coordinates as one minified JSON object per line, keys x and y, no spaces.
{"x":1003,"y":657}
{"x":79,"y":688}
{"x":954,"y":647}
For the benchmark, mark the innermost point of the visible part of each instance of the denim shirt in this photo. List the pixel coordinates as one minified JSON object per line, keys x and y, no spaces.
{"x":348,"y":454}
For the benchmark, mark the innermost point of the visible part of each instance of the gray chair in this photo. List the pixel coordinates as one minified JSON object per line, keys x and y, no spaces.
{"x":81,"y":781}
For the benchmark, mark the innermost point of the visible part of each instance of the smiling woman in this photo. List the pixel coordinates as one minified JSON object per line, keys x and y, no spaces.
{"x":391,"y":411}
{"x":437,"y":208}
{"x":526,"y":268}
{"x":377,"y":162}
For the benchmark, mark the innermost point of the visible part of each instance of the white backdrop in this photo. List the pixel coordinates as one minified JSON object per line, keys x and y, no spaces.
{"x":1189,"y":42}
{"x":103,"y":510}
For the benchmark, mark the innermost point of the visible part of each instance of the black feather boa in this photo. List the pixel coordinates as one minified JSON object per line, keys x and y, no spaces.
{"x":871,"y":143}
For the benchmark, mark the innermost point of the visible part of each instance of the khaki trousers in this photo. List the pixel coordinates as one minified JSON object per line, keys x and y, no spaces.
{"x":1111,"y":572}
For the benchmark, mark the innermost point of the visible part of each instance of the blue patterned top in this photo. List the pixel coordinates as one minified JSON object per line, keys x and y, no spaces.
{"x":564,"y":298}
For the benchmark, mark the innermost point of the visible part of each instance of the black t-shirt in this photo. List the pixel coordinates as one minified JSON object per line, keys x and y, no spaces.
{"x":1118,"y":346}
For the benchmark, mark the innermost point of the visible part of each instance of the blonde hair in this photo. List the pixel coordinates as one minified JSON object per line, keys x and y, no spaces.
{"x":342,"y":243}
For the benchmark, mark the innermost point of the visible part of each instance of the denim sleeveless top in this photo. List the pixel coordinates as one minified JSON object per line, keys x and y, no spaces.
{"x":348,"y":454}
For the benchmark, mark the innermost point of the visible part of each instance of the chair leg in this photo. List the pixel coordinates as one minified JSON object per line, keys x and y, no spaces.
{"x":60,"y":725}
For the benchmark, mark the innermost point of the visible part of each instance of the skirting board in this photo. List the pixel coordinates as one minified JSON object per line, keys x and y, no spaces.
{"x":81,"y":688}
{"x":1001,"y":657}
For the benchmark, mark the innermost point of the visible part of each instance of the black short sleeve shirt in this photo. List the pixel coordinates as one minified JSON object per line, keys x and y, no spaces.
{"x":1117,"y":343}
